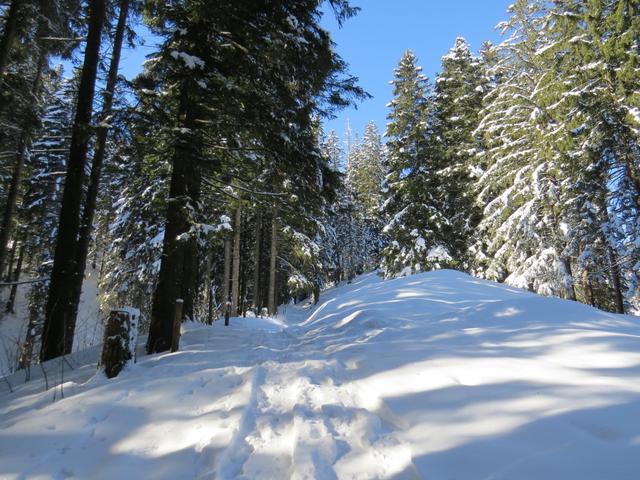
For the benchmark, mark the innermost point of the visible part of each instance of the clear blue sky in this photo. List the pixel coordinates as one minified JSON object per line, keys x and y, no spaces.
{"x":373,"y":42}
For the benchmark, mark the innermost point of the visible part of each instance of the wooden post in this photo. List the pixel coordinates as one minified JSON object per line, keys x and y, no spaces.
{"x":120,"y":337}
{"x":177,"y":320}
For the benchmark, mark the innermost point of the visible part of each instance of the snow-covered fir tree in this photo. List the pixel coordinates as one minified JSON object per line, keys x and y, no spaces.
{"x":417,"y":228}
{"x":458,"y":92}
{"x":521,"y":239}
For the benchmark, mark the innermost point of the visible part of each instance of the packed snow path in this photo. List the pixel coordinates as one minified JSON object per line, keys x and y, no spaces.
{"x":435,"y":376}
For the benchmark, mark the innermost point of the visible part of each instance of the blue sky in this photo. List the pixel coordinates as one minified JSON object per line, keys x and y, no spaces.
{"x":373,"y":42}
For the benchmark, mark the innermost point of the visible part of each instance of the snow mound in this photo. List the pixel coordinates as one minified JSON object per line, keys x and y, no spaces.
{"x":437,"y":375}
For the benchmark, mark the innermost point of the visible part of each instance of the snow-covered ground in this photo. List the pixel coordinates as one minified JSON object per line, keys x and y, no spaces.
{"x":435,"y":376}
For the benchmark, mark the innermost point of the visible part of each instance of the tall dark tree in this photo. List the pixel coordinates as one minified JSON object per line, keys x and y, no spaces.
{"x":260,"y":67}
{"x":11,"y":30}
{"x":57,"y":337}
{"x":418,"y":226}
{"x":88,"y":212}
{"x":39,"y":21}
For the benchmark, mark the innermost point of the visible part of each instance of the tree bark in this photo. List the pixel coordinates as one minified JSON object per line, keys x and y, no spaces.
{"x":210,"y":296}
{"x":257,"y":304}
{"x":57,"y":338}
{"x":9,"y":34}
{"x":16,"y":277}
{"x":272,"y":304}
{"x":570,"y":291}
{"x":235,"y":273}
{"x":177,"y":276}
{"x":86,"y":223}
{"x":226,"y":272}
{"x":615,"y":281}
{"x":588,"y":288}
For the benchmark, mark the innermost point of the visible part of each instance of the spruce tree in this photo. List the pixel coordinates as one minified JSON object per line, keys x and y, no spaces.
{"x":57,"y":337}
{"x":418,"y":226}
{"x":458,"y":93}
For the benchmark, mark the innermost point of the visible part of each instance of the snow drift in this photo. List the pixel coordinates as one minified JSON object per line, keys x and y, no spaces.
{"x":437,"y":375}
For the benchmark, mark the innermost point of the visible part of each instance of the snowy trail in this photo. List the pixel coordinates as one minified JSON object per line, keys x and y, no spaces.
{"x":299,"y":424}
{"x":434,"y":376}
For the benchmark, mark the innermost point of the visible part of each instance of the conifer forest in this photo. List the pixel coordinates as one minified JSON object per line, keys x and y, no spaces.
{"x":201,"y":277}
{"x":209,"y":178}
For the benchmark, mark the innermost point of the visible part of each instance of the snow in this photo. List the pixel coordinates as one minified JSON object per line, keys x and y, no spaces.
{"x":437,"y":375}
{"x":190,"y":61}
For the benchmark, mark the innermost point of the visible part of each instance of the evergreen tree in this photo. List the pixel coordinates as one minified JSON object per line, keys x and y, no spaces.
{"x":459,"y":89}
{"x":521,"y":239}
{"x":365,"y":173}
{"x":418,"y":226}
{"x":41,"y":202}
{"x":269,"y":92}
{"x":59,"y":327}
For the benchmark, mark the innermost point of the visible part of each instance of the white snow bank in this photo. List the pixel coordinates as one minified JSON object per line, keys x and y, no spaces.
{"x":436,"y":375}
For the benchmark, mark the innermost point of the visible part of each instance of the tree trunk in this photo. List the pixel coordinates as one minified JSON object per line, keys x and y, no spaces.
{"x":272,"y":304}
{"x":16,"y":177}
{"x":615,"y":281}
{"x":235,"y":273}
{"x":12,"y":256}
{"x":177,"y":276}
{"x":59,"y":321}
{"x":190,"y":279}
{"x":9,"y":34}
{"x":16,"y":278}
{"x":86,"y":223}
{"x":177,"y":320}
{"x":570,"y":290}
{"x":210,"y":298}
{"x":256,"y":264}
{"x":226,"y":273}
{"x":588,"y":288}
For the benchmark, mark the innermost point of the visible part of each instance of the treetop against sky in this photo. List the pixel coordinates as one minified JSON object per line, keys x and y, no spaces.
{"x":373,"y":42}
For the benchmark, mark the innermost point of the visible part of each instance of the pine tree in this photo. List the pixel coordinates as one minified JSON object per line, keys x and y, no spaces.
{"x":21,"y":84}
{"x":418,"y":225}
{"x":365,"y":174}
{"x":459,"y":89}
{"x":594,"y":52}
{"x":521,"y":239}
{"x":41,"y":201}
{"x":57,"y":337}
{"x":93,"y":186}
{"x":269,"y":92}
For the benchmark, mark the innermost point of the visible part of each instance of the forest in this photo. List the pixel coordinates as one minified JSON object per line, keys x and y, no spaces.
{"x":209,"y":177}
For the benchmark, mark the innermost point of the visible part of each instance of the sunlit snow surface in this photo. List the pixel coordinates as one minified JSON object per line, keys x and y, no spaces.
{"x":435,"y":376}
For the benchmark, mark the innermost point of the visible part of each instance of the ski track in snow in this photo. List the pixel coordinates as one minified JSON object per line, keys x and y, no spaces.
{"x":434,"y":376}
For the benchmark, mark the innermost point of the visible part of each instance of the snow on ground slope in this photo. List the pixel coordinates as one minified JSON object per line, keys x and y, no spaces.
{"x":435,"y":376}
